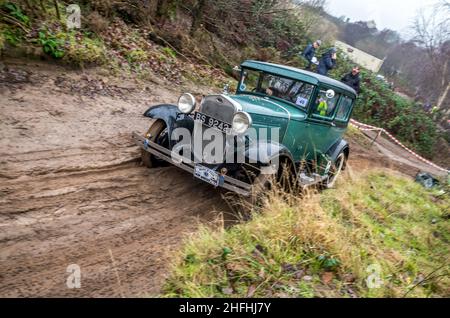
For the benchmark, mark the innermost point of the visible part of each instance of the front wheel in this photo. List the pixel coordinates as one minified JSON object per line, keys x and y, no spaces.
{"x":157,"y":133}
{"x":335,"y":171}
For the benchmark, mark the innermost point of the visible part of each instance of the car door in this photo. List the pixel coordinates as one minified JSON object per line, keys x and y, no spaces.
{"x":343,"y":112}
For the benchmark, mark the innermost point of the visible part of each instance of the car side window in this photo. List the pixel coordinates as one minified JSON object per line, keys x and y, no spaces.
{"x":324,"y":105}
{"x":277,"y":85}
{"x":345,"y":107}
{"x":300,"y":94}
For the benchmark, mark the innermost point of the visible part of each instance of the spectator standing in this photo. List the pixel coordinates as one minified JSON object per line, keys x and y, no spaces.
{"x":352,"y":79}
{"x":327,"y":61}
{"x":310,"y":53}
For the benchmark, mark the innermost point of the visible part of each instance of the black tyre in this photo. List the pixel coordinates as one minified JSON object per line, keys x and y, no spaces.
{"x":335,"y":171}
{"x":264,"y":183}
{"x":157,"y":133}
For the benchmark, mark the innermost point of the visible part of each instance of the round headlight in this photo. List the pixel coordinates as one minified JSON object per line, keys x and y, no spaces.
{"x":241,"y":122}
{"x":186,"y":103}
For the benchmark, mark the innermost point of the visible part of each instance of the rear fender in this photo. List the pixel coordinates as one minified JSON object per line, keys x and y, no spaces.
{"x":337,"y":148}
{"x":268,"y":152}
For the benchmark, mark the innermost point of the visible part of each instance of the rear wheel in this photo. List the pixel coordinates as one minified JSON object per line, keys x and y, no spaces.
{"x":264,"y":183}
{"x":335,"y":171}
{"x":159,"y":134}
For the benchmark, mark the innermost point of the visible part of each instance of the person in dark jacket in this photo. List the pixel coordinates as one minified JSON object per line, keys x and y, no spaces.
{"x":327,"y":61}
{"x":352,"y":79}
{"x":310,"y":52}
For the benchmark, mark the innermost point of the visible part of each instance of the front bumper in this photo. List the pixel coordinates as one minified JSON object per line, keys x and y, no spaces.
{"x":229,"y":183}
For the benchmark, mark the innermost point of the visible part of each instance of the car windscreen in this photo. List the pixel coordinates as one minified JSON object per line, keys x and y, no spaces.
{"x":293,"y":91}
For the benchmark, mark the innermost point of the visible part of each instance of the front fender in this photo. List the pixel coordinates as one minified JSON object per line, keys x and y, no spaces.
{"x":340,"y":146}
{"x":166,"y":112}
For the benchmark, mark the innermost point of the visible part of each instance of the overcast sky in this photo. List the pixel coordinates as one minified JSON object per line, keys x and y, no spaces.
{"x":393,"y":14}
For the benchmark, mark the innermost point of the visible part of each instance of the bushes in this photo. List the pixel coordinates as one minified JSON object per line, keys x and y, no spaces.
{"x":11,"y":36}
{"x":73,"y":47}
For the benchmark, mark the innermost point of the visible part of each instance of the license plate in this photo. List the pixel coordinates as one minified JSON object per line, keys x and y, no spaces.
{"x":206,"y":175}
{"x":212,"y":122}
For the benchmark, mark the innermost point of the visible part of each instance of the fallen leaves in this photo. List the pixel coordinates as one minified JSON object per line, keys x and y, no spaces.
{"x":327,"y":277}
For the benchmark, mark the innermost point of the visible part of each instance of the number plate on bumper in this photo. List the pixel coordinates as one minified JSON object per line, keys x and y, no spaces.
{"x":212,"y":122}
{"x":206,"y":175}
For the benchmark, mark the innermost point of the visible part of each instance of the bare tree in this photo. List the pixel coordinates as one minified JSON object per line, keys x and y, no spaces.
{"x":432,"y":32}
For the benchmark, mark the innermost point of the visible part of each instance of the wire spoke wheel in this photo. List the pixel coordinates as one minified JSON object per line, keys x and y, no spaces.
{"x":335,"y":171}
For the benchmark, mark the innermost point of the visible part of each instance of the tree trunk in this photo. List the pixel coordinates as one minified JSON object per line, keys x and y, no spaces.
{"x":444,"y":85}
{"x":197,"y":14}
{"x":58,"y":15}
{"x":443,"y":96}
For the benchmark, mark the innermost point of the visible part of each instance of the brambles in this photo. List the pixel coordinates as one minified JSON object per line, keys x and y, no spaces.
{"x":11,"y":36}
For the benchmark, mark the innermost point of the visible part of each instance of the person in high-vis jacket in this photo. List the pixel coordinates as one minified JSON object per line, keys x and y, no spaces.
{"x":322,"y":108}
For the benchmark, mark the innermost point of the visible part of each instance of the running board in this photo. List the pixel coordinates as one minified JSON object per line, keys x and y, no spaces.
{"x":306,"y":181}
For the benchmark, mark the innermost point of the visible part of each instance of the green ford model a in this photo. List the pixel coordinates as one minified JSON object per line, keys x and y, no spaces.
{"x":281,"y":121}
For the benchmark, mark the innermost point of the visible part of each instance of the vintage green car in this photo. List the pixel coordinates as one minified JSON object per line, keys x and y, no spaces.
{"x":281,"y":121}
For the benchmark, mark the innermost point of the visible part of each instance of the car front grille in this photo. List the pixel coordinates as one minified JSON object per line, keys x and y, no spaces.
{"x":221,"y":108}
{"x":218,"y":107}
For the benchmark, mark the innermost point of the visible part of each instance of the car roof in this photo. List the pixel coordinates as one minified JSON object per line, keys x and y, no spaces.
{"x":298,"y":74}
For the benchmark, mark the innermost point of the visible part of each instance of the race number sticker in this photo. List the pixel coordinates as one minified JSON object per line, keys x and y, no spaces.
{"x":301,"y":101}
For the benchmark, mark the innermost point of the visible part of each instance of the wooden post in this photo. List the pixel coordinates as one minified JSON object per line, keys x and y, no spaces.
{"x":376,"y":137}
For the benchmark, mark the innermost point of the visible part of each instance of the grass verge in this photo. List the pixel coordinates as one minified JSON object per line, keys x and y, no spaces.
{"x":376,"y":235}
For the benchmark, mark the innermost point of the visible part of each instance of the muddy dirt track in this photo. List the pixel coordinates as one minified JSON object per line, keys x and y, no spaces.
{"x":72,"y":190}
